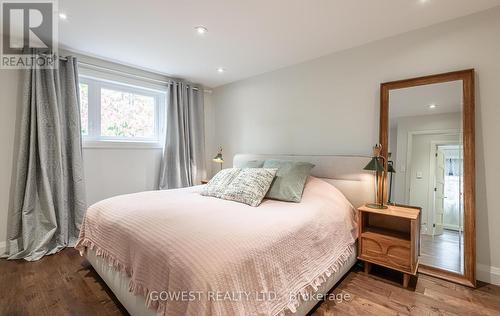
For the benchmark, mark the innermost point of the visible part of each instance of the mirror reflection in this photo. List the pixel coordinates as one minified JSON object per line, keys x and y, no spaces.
{"x":426,"y":166}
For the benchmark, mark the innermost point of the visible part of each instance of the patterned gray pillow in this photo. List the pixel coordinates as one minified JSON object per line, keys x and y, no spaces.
{"x":250,"y":185}
{"x":218,"y":184}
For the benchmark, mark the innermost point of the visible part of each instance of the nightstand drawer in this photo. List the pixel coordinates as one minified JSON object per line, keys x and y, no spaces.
{"x":386,"y":250}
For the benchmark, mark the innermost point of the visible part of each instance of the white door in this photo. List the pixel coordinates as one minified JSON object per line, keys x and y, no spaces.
{"x":439,"y":193}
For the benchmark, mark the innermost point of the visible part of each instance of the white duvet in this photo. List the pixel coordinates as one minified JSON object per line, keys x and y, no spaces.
{"x":194,"y":255}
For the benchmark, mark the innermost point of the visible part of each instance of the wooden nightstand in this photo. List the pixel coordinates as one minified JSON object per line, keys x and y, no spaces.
{"x":390,"y":238}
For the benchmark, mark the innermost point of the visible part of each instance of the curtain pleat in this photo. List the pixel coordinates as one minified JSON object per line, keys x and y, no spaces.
{"x":183,"y":162}
{"x":49,"y":201}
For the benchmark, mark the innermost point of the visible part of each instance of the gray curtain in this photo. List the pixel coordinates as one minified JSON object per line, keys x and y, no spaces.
{"x":183,"y":162}
{"x":49,"y":201}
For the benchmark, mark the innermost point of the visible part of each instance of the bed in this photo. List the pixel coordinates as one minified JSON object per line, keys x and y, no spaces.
{"x":176,"y":252}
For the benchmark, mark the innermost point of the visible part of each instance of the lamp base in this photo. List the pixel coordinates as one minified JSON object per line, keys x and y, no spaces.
{"x":377,"y":206}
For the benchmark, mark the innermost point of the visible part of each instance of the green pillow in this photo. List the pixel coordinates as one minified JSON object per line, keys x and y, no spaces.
{"x":253,"y":164}
{"x":290,"y":179}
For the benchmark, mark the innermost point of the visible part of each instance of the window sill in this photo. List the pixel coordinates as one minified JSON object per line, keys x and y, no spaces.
{"x":114,"y":144}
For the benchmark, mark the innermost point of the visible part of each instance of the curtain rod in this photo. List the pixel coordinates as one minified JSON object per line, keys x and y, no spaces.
{"x":128,"y":74}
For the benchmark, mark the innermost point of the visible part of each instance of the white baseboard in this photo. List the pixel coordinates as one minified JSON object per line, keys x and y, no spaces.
{"x":2,"y":247}
{"x":488,"y":274}
{"x":451,"y":227}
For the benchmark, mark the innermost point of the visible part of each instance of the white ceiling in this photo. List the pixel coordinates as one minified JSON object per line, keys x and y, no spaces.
{"x":246,"y":37}
{"x":415,"y":101}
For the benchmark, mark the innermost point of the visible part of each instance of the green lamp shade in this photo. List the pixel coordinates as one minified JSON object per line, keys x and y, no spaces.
{"x":374,"y":165}
{"x":218,"y":158}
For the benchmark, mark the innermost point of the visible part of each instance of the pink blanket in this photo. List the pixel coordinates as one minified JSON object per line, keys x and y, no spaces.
{"x":195,"y":255}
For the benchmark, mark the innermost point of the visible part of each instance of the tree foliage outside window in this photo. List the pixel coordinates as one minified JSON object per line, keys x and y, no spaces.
{"x":120,"y":112}
{"x":84,"y":108}
{"x":126,"y":114}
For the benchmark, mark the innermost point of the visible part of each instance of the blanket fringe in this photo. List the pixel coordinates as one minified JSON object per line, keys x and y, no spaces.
{"x":134,"y":287}
{"x":159,"y":306}
{"x":298,"y":298}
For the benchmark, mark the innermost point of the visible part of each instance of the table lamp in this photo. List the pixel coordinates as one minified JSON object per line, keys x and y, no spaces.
{"x":218,"y":158}
{"x":378,"y":167}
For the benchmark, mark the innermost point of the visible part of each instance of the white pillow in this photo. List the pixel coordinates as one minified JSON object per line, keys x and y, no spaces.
{"x":218,"y":184}
{"x":248,"y":185}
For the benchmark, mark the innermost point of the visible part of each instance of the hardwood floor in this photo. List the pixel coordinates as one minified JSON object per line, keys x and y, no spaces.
{"x":380,"y":293}
{"x":61,"y":285}
{"x":444,"y":251}
{"x":55,"y":285}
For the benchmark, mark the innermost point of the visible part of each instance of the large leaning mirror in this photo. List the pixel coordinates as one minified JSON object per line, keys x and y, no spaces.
{"x":427,"y":133}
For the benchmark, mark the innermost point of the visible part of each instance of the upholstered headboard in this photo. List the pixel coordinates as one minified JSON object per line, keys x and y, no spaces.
{"x":344,"y":172}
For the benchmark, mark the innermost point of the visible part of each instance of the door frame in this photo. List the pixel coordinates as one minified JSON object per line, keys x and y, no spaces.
{"x":432,"y":176}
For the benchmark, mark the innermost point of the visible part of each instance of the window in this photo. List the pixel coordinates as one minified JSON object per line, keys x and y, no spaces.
{"x":117,"y":114}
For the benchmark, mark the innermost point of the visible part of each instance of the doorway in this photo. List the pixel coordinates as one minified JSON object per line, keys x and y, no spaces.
{"x":445,"y":243}
{"x":448,"y":188}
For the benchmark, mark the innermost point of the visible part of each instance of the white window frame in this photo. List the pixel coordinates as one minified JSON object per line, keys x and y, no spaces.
{"x":94,"y":138}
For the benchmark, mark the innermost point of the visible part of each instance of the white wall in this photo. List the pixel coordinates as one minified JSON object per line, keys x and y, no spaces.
{"x":331,"y":105}
{"x":211,"y":146}
{"x":110,"y":172}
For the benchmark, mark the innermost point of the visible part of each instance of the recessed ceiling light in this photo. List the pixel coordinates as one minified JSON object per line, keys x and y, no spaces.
{"x":423,"y":1}
{"x":63,"y":16}
{"x":201,"y":30}
{"x":221,"y":70}
{"x":432,"y":106}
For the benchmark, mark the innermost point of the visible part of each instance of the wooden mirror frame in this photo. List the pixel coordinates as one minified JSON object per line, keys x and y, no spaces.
{"x":468,"y":121}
